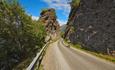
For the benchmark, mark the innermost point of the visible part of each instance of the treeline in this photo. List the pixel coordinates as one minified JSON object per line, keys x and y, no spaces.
{"x":20,"y":36}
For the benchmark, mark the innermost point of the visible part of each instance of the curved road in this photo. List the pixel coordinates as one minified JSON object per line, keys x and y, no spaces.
{"x":59,"y":57}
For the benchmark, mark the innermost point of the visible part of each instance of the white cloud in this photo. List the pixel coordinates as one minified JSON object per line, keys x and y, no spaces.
{"x":35,"y":17}
{"x":60,"y":5}
{"x":61,"y":22}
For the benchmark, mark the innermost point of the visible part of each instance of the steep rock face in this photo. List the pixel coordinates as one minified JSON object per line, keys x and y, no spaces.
{"x":93,"y":25}
{"x":48,"y":17}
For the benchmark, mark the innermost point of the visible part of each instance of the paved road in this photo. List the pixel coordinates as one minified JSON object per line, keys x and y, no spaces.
{"x":59,"y":57}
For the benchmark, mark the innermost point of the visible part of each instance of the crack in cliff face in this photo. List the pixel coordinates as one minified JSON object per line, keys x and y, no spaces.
{"x":94,"y":24}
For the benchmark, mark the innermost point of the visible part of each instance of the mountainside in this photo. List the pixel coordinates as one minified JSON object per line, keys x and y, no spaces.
{"x":49,"y":19}
{"x":92,"y":24}
{"x":63,"y":27}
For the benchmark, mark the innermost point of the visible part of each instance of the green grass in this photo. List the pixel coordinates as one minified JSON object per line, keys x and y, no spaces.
{"x":106,"y":57}
{"x":41,"y":67}
{"x":100,"y":55}
{"x":23,"y":65}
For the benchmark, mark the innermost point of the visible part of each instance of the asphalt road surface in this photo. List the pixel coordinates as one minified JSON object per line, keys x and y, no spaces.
{"x":59,"y":57}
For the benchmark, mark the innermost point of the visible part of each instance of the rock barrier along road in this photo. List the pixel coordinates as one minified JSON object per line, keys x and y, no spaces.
{"x":59,"y":57}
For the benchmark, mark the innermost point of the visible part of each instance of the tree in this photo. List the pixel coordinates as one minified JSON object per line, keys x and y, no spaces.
{"x":19,"y":35}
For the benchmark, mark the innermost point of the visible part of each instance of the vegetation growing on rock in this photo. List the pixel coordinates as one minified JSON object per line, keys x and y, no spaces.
{"x":48,"y":16}
{"x":20,"y":36}
{"x":75,"y":3}
{"x":93,"y":21}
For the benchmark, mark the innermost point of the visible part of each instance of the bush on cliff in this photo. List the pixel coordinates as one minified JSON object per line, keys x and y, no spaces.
{"x":75,"y":3}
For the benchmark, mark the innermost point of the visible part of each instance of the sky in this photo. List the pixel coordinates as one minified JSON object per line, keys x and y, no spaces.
{"x":34,"y":7}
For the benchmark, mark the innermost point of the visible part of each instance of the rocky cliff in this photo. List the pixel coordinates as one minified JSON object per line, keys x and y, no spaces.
{"x":92,"y":24}
{"x":48,"y":18}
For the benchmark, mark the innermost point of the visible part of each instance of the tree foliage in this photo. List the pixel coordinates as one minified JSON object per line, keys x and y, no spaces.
{"x":20,"y":36}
